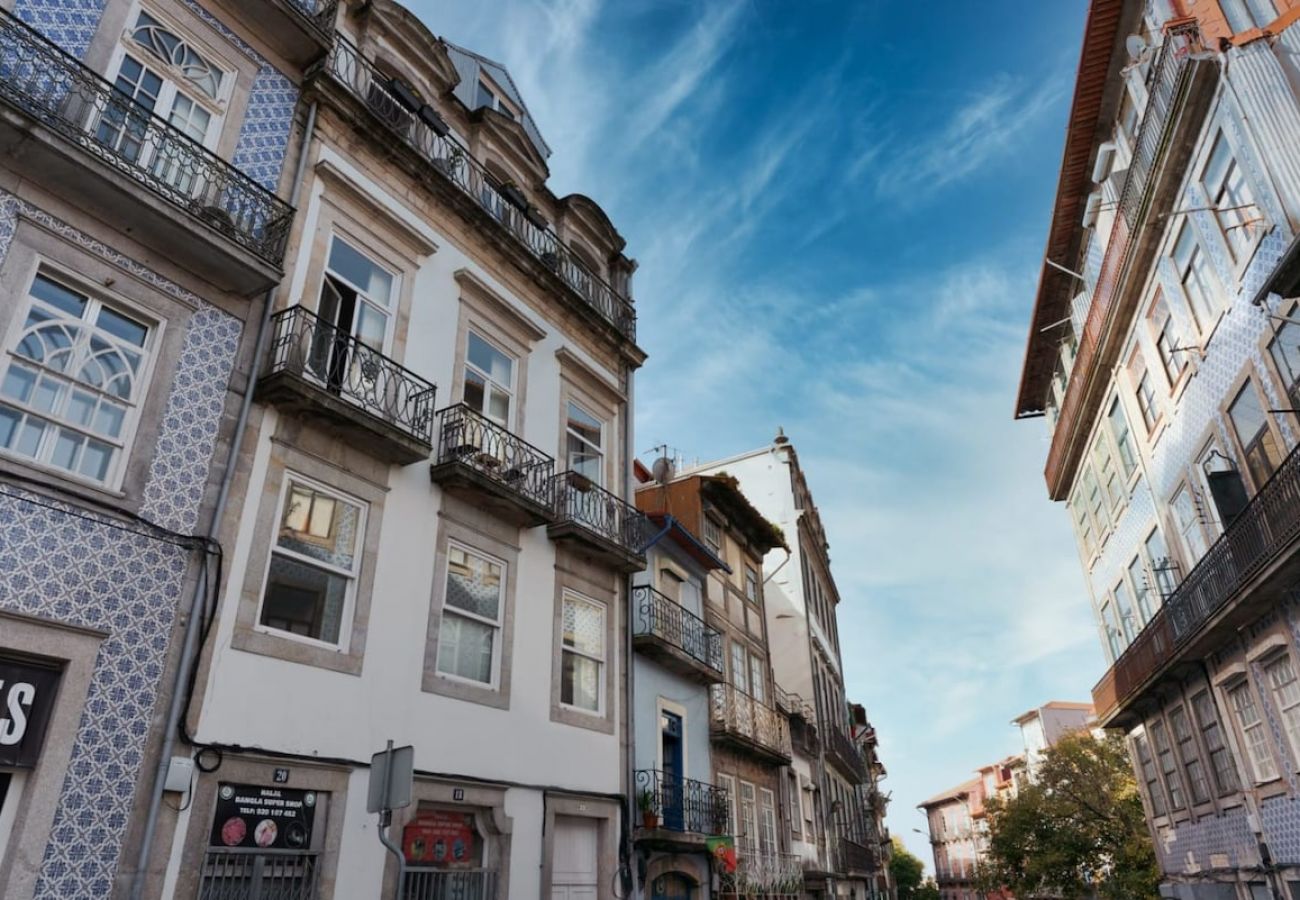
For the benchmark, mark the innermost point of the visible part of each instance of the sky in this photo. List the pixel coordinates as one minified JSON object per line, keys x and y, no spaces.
{"x":839,"y":212}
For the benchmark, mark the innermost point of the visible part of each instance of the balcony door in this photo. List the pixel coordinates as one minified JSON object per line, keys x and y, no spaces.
{"x":355,"y":324}
{"x":671,"y":785}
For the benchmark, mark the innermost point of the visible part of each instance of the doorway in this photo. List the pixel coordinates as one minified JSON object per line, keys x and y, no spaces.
{"x":670,"y":789}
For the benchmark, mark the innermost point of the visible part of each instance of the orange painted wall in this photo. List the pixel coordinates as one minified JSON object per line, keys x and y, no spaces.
{"x":1214,"y":26}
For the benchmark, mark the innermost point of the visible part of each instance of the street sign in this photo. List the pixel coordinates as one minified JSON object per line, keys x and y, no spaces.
{"x":391,"y":772}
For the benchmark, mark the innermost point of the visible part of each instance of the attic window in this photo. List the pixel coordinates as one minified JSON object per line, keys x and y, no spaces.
{"x":491,"y":99}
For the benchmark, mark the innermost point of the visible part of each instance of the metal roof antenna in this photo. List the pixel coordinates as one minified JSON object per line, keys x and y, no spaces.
{"x":781,"y":440}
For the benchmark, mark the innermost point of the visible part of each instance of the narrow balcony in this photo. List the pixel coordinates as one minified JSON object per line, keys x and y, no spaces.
{"x":675,"y":637}
{"x":598,"y":522}
{"x":678,"y":814}
{"x":488,"y":464}
{"x":1244,"y":572}
{"x":771,"y":874}
{"x":738,"y":719}
{"x":67,"y":129}
{"x":428,"y":883}
{"x":300,"y":30}
{"x":321,"y":373}
{"x":446,"y":165}
{"x":845,"y":755}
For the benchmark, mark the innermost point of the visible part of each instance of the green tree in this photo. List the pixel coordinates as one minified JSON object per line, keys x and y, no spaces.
{"x":1079,"y":828}
{"x":927,"y":891}
{"x":905,"y":870}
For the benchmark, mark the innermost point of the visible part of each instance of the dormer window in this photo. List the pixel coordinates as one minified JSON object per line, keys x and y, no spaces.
{"x":491,"y":98}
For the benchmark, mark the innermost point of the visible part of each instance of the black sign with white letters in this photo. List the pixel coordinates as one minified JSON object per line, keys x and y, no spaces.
{"x":27,"y":692}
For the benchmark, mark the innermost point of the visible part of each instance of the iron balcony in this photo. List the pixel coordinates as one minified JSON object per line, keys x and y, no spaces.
{"x":675,"y":637}
{"x":83,"y":138}
{"x":857,"y":859}
{"x":488,"y":463}
{"x":302,"y":31}
{"x":738,"y":719}
{"x":1250,"y":566}
{"x":446,"y":164}
{"x":845,"y":754}
{"x":320,"y":372}
{"x":678,"y":813}
{"x":598,"y":522}
{"x":772,"y":875}
{"x":428,"y":883}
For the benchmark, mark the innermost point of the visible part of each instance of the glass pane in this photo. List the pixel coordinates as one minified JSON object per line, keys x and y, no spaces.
{"x":473,"y":583}
{"x":1184,"y":247}
{"x":18,"y":383}
{"x":29,"y":437}
{"x":465,"y":648}
{"x":584,"y":424}
{"x":9,"y":419}
{"x":109,"y":419}
{"x":372,"y":326}
{"x":491,"y":361}
{"x":584,"y":626}
{"x":56,"y":295}
{"x":580,"y":682}
{"x":81,"y":407}
{"x":1247,"y":414}
{"x":319,"y":525}
{"x":1217,"y":165}
{"x":303,"y":599}
{"x":95,"y":460}
{"x":499,"y":407}
{"x":474,"y":390}
{"x":66,"y":446}
{"x":122,"y":327}
{"x":357,"y":268}
{"x":47,"y":396}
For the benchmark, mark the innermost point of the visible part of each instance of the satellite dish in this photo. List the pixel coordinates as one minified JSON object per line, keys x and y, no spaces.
{"x":1135,"y":46}
{"x":662,"y":470}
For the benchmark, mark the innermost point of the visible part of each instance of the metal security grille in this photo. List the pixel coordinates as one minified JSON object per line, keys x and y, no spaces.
{"x":456,"y":884}
{"x":259,"y":875}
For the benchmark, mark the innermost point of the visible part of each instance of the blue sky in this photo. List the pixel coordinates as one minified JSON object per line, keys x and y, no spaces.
{"x":839,"y":211}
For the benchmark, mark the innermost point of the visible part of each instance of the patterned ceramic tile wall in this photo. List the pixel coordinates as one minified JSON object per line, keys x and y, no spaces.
{"x":1187,"y":849}
{"x":86,"y":570}
{"x":273,"y":97}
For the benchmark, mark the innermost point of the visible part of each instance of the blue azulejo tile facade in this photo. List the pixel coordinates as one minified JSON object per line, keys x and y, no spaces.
{"x":120,"y":577}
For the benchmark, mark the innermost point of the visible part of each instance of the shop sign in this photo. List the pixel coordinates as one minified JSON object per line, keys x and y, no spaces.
{"x":447,"y":840}
{"x":27,"y":692}
{"x":250,"y":815}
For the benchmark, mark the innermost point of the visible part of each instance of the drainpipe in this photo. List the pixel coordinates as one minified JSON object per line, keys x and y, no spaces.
{"x":189,"y":648}
{"x":629,"y":767}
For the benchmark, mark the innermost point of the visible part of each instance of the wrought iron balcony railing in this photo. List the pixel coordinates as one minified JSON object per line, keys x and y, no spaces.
{"x":581,"y":502}
{"x":682,"y":804}
{"x":468,"y":437}
{"x":855,"y":857}
{"x":241,"y":874}
{"x":321,"y":13}
{"x":1165,"y":84}
{"x":423,"y":131}
{"x":842,"y":750}
{"x":309,"y":348}
{"x":734,"y":713}
{"x":426,"y":883}
{"x":1262,"y":533}
{"x":657,"y":616}
{"x":770,"y":875}
{"x":42,"y":81}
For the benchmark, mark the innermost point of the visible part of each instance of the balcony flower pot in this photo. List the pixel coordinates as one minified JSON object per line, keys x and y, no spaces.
{"x":514,"y":196}
{"x":645,"y":800}
{"x":534,"y":215}
{"x":437,"y":124}
{"x":551,"y":260}
{"x":450,"y":164}
{"x":580,"y":482}
{"x":404,"y":95}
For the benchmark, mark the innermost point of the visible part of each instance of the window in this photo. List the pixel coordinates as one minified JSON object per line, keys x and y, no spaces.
{"x":1114,"y":638}
{"x":713,"y":536}
{"x":1082,"y":524}
{"x":751,"y":584}
{"x":1186,"y":740}
{"x":1162,"y":567}
{"x":1146,"y":398}
{"x":1168,"y":765}
{"x":1124,"y":609}
{"x":314,"y":563}
{"x":757,"y":679}
{"x":1257,"y":441}
{"x":795,"y":811}
{"x":1194,"y":273}
{"x":748,"y":835}
{"x":1104,"y":463}
{"x":767,"y":832}
{"x":1221,"y":762}
{"x":163,"y":73}
{"x":1138,"y":578}
{"x":1252,"y":729}
{"x":1169,"y":340}
{"x":1096,"y":500}
{"x":584,"y":444}
{"x":1187,"y":516}
{"x":1285,"y":350}
{"x":1119,"y":432}
{"x":1225,"y":186}
{"x":582,"y":677}
{"x":739,"y":667}
{"x":1128,"y":117}
{"x":73,"y":382}
{"x":1286,"y":693}
{"x":468,"y":638}
{"x":1243,"y":15}
{"x":1149,"y":776}
{"x":491,"y":99}
{"x":489,"y":380}
{"x":355,"y":302}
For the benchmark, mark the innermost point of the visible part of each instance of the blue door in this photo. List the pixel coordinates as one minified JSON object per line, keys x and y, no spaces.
{"x":670,"y":788}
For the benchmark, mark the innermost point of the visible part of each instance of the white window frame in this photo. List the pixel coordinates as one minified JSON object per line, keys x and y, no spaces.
{"x":1200,"y":285}
{"x":600,"y":660}
{"x":1286,"y":696}
{"x":747,"y":839}
{"x":1122,"y":440}
{"x":350,"y":600}
{"x":1245,"y":224}
{"x":389,"y":309}
{"x":498,"y":626}
{"x":569,"y":433}
{"x":1187,"y":528}
{"x":728,"y":783}
{"x":768,"y":838}
{"x":492,"y":387}
{"x":1254,"y":732}
{"x":131,"y":418}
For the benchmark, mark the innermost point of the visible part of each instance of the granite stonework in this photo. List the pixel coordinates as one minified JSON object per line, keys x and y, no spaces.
{"x":273,"y":97}
{"x":73,"y":565}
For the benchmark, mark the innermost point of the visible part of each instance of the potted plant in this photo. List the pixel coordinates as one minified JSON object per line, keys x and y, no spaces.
{"x":451,"y":163}
{"x":514,"y":196}
{"x":645,"y":800}
{"x":580,"y":482}
{"x":534,"y":215}
{"x":437,"y":124}
{"x":404,"y":94}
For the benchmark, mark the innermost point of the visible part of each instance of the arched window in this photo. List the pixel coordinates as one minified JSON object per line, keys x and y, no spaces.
{"x":672,"y":886}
